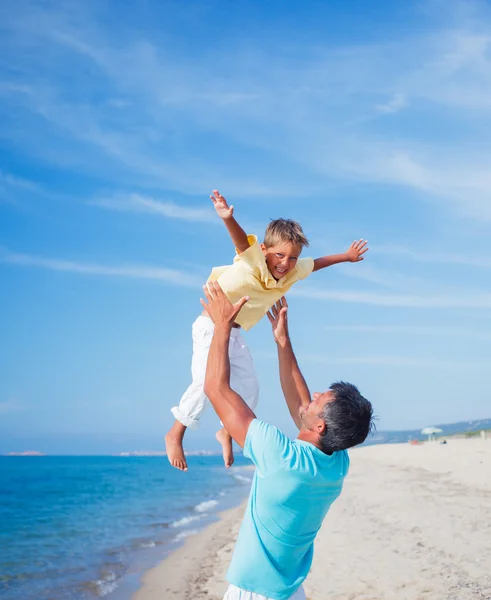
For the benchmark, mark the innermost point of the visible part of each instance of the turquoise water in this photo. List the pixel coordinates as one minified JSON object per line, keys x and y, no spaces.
{"x":86,"y":527}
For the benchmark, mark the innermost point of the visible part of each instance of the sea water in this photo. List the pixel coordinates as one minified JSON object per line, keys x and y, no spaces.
{"x":86,"y":527}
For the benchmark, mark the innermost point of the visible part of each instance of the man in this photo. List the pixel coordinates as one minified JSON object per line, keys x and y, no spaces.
{"x":295,"y":481}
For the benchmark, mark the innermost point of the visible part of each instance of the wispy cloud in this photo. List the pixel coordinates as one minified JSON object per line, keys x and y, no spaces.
{"x":18,"y":182}
{"x":11,"y":406}
{"x":452,"y":180}
{"x":132,"y":271}
{"x":393,"y":361}
{"x":181,"y":278}
{"x":436,"y":256}
{"x":14,"y":189}
{"x":304,"y":110}
{"x":474,"y":301}
{"x":423,"y":330}
{"x":145,"y":204}
{"x":382,"y":277}
{"x":395,"y":104}
{"x":383,"y":361}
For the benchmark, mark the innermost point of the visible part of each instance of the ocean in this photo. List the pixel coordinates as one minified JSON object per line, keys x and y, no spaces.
{"x":87,"y":527}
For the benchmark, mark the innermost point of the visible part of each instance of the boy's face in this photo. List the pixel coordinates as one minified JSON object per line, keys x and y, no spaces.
{"x":281,"y":258}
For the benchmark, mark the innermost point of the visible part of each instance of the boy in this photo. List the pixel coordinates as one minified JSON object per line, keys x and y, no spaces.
{"x":264,"y":272}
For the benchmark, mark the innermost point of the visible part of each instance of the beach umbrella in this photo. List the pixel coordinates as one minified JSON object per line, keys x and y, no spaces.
{"x":430,"y":431}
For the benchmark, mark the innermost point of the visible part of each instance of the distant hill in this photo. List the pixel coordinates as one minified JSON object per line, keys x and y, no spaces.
{"x":25,"y":453}
{"x":396,"y":437}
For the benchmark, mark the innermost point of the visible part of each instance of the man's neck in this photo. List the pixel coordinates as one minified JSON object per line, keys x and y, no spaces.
{"x":309,"y":436}
{"x":305,"y":435}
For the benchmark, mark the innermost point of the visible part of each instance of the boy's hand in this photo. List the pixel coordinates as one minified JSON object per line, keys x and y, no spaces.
{"x":224,"y":211}
{"x":278,"y":318}
{"x":356,"y":251}
{"x":219,"y":307}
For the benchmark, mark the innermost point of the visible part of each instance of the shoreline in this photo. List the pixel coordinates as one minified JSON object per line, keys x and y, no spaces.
{"x":198,"y":565}
{"x":413,"y":522}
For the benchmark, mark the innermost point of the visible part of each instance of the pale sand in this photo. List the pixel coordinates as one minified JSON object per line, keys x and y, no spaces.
{"x":413,"y":522}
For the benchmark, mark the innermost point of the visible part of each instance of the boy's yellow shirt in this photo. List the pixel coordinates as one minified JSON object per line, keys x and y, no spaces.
{"x":249,"y":276}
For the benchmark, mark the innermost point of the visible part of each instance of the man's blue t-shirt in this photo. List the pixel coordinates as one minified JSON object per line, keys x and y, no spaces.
{"x":294,"y":485}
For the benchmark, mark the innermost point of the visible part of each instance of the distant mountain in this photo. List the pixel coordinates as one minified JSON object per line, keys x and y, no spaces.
{"x":164,"y":453}
{"x":25,"y":453}
{"x":396,"y":437}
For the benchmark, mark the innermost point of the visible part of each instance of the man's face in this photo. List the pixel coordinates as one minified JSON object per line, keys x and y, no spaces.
{"x":309,"y":415}
{"x":281,"y":258}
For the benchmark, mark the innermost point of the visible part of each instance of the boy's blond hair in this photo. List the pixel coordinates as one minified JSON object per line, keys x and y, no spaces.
{"x":284,"y":230}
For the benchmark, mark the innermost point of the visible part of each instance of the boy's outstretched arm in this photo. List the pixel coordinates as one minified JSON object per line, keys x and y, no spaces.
{"x":354,"y":254}
{"x":226,"y":213}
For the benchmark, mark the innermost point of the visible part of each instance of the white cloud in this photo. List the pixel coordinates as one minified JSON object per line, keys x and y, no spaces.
{"x":452,"y":180}
{"x":184,"y":279}
{"x":393,"y":361}
{"x":18,"y":182}
{"x":132,"y":271}
{"x":471,"y":301}
{"x":433,"y":331}
{"x":395,"y":104}
{"x":11,"y":406}
{"x":432,"y":256}
{"x":309,"y":111}
{"x":14,"y":190}
{"x":383,"y":361}
{"x":145,"y":204}
{"x":381,"y":277}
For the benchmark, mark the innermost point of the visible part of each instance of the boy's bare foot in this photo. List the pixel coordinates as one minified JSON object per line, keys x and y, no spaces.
{"x":173,"y":446}
{"x":225,"y":440}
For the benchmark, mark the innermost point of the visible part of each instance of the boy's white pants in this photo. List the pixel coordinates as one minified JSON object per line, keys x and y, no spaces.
{"x":243,"y":379}
{"x":235,"y":593}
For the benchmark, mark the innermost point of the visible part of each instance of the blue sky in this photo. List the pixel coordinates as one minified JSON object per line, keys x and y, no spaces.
{"x":357,"y":119}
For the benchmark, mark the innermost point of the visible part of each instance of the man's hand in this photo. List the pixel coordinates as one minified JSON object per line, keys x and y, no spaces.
{"x":356,"y":251}
{"x":231,"y":409}
{"x":278,"y":318}
{"x":224,"y":211}
{"x":293,"y":384}
{"x":219,"y":307}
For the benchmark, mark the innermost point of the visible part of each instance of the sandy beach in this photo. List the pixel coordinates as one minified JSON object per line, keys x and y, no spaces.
{"x":413,"y":522}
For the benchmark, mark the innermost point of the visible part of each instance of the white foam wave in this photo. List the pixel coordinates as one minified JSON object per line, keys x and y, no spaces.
{"x":205,"y":506}
{"x":107,"y":584}
{"x":241,"y":478}
{"x":148,"y":545}
{"x":185,"y":521}
{"x":184,"y":534}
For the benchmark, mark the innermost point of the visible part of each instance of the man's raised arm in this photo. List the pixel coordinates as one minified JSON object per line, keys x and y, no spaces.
{"x":231,"y":409}
{"x":293,"y":384}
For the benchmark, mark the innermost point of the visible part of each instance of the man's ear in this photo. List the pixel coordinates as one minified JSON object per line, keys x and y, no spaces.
{"x":264,"y":249}
{"x":320,"y":427}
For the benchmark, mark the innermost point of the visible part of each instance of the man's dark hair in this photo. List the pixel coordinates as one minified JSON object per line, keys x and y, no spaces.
{"x":348,"y":418}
